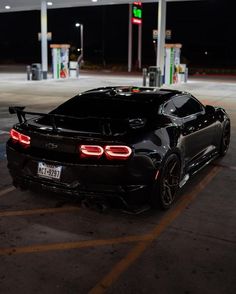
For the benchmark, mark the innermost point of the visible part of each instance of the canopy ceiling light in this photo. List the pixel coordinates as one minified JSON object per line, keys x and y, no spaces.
{"x":23,"y":5}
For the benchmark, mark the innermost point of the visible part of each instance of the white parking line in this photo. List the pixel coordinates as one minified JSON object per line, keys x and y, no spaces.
{"x":7,"y":190}
{"x":3,"y":132}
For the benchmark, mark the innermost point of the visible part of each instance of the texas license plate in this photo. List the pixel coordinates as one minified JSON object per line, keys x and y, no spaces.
{"x":49,"y":171}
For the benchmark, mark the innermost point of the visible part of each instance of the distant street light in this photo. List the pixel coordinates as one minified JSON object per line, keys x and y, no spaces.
{"x":77,"y":25}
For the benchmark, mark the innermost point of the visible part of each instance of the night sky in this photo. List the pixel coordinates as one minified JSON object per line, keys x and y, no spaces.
{"x":201,"y":27}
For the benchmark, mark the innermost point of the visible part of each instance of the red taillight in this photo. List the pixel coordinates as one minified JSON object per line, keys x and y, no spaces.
{"x":21,"y":138}
{"x":117,"y":152}
{"x":92,"y":151}
{"x":25,"y":140}
{"x":15,"y":135}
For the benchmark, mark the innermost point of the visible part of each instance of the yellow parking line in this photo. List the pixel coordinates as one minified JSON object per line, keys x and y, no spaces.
{"x":109,"y":279}
{"x":231,"y":167}
{"x":72,"y":245}
{"x":7,"y":190}
{"x":38,"y":211}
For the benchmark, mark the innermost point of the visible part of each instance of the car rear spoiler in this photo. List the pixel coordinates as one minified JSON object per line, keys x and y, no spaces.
{"x":135,"y":123}
{"x":21,"y":115}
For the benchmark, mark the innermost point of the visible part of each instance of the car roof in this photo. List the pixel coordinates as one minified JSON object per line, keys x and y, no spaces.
{"x":146,"y":94}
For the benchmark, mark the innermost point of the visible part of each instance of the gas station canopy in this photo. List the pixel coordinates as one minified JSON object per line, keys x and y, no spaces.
{"x":23,"y":5}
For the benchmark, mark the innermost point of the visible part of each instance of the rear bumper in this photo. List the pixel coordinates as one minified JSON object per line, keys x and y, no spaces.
{"x":130,"y":177}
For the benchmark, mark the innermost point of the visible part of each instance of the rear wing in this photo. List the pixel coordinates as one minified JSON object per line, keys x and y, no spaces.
{"x":134,"y":123}
{"x":21,"y":115}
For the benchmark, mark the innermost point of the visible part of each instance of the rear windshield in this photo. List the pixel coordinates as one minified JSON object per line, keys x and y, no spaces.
{"x":105,"y":107}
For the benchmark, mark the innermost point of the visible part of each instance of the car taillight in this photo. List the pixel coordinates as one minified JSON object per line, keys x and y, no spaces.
{"x":21,"y":138}
{"x":91,"y":151}
{"x":24,"y":140}
{"x":15,"y":135}
{"x":119,"y":152}
{"x":116,"y":152}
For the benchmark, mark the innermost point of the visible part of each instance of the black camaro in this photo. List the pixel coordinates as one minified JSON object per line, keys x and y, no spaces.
{"x":117,"y":141}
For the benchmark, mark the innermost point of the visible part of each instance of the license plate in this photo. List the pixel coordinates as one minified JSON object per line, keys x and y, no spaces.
{"x":49,"y":171}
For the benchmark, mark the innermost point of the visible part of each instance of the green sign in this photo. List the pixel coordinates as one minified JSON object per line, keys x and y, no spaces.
{"x":137,"y":13}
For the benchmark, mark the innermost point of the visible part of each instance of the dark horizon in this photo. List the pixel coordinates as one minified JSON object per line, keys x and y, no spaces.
{"x":205,"y":30}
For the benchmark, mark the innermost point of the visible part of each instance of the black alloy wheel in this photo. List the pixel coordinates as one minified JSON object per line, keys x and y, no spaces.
{"x":225,"y":140}
{"x":167,"y":185}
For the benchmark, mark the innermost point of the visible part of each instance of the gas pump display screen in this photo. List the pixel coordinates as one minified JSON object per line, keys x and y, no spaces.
{"x":137,"y":12}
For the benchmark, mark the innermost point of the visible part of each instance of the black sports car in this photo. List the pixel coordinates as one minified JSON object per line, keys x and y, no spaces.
{"x":117,"y":141}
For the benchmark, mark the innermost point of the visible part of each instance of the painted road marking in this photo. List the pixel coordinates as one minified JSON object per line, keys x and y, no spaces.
{"x":72,"y":245}
{"x":7,"y":190}
{"x":225,"y":166}
{"x":143,"y":241}
{"x":3,"y":132}
{"x":139,"y":249}
{"x":38,"y":211}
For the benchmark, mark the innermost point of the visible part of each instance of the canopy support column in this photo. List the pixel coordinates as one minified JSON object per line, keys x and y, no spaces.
{"x":161,"y":36}
{"x":44,"y":41}
{"x":130,"y":40}
{"x":140,"y":46}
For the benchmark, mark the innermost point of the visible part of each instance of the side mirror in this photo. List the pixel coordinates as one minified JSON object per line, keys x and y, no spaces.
{"x":210,"y":109}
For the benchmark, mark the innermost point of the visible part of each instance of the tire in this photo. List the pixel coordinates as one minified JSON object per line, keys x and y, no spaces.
{"x":167,"y":184}
{"x":225,"y":139}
